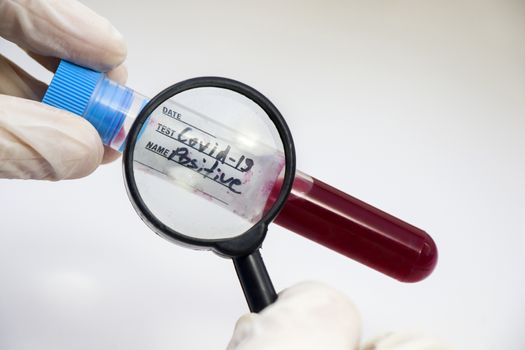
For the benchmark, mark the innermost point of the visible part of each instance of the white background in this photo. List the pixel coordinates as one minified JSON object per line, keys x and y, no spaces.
{"x":425,"y":101}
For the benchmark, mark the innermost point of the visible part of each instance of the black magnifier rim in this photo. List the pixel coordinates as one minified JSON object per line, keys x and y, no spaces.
{"x":250,"y":240}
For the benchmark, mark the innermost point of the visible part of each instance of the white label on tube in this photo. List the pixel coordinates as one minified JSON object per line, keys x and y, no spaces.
{"x":210,"y":159}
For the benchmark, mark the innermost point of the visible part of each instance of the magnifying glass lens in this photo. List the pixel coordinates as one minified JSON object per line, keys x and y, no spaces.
{"x":205,"y":162}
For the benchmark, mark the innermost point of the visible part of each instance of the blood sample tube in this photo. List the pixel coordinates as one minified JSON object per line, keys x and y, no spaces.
{"x":357,"y":230}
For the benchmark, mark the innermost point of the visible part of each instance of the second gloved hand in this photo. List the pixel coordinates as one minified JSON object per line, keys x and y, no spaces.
{"x":312,"y":316}
{"x":308,"y":316}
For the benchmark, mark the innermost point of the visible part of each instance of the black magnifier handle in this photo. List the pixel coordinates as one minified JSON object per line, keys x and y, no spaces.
{"x":255,"y":281}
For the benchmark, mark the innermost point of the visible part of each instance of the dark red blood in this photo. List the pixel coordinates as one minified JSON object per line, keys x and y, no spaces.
{"x":357,"y":230}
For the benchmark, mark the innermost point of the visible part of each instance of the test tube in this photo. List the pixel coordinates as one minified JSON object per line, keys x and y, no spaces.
{"x":356,"y":229}
{"x":314,"y":209}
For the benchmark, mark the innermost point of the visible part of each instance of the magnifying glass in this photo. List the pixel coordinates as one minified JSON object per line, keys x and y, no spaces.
{"x":200,"y":163}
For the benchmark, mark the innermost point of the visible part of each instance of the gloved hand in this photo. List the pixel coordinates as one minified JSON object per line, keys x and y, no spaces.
{"x":36,"y":140}
{"x":307,"y":316}
{"x":312,"y":316}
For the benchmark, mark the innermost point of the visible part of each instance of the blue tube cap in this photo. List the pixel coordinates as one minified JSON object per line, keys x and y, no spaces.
{"x":89,"y":94}
{"x":72,"y":87}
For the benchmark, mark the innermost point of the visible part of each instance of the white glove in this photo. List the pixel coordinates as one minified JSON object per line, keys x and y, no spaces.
{"x":38,"y":141}
{"x":312,"y":316}
{"x":308,"y":316}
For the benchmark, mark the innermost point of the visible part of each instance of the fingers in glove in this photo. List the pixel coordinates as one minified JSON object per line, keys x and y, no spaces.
{"x":41,"y":142}
{"x":58,"y":28}
{"x":118,"y":74}
{"x":65,"y":29}
{"x":110,"y":155}
{"x":15,"y":81}
{"x":307,"y":316}
{"x":48,"y":62}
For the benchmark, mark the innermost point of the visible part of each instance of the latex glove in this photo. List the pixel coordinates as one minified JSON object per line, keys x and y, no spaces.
{"x":312,"y":316}
{"x":38,"y":141}
{"x":308,"y":316}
